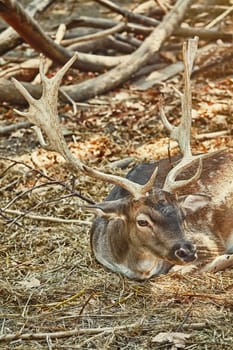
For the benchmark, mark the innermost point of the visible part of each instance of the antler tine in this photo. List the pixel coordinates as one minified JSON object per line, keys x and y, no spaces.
{"x":182,"y":133}
{"x":43,"y":113}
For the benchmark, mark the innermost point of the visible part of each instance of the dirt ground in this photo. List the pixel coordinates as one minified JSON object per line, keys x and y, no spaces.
{"x":54,"y":295}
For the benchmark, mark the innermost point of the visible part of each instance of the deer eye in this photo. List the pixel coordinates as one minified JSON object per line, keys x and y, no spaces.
{"x":143,"y":223}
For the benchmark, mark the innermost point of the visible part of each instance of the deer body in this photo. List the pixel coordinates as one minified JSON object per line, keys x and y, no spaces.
{"x":119,"y":244}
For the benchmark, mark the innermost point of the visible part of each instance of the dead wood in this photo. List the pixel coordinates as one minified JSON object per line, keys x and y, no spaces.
{"x":123,"y":71}
{"x":105,"y":23}
{"x":58,"y":38}
{"x":158,"y":76}
{"x":135,"y":61}
{"x":5,"y":130}
{"x":103,"y":45}
{"x":9,"y":93}
{"x":14,"y":14}
{"x":128,"y":14}
{"x":129,"y":40}
{"x":68,"y":333}
{"x":145,"y":30}
{"x":205,"y":34}
{"x":30,"y":66}
{"x":116,"y":29}
{"x":9,"y":39}
{"x":32,"y":216}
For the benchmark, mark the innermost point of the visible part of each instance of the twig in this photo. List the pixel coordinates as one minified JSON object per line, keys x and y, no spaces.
{"x":29,"y":65}
{"x":47,"y":218}
{"x":220,"y":17}
{"x":48,"y":63}
{"x":5,"y":130}
{"x":212,"y":135}
{"x":42,"y":174}
{"x":119,"y":27}
{"x":66,"y":334}
{"x":164,"y":7}
{"x":128,"y":14}
{"x":86,"y":341}
{"x":22,"y":194}
{"x":73,"y":103}
{"x":9,"y":39}
{"x":147,"y":21}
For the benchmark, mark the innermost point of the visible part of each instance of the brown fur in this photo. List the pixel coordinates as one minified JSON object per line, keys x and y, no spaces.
{"x":141,"y":252}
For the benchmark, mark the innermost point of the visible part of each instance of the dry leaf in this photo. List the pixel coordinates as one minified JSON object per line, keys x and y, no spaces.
{"x":176,"y":339}
{"x":32,"y":282}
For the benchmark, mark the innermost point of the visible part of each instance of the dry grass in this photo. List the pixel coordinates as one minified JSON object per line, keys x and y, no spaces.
{"x":51,"y":283}
{"x":54,"y":295}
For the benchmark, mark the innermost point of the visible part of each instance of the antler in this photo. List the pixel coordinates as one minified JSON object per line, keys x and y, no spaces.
{"x":43,"y":113}
{"x":182,"y":133}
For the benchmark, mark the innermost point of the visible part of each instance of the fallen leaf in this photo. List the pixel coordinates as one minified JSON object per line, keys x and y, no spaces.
{"x":176,"y":339}
{"x":32,"y":282}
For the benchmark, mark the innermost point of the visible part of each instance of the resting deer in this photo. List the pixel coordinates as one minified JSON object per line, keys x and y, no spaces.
{"x":162,"y":214}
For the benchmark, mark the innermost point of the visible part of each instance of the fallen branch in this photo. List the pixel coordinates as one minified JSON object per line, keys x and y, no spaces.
{"x":5,"y":130}
{"x":212,"y":135}
{"x":66,"y":334}
{"x":135,"y":61}
{"x":120,"y":74}
{"x":220,"y":17}
{"x":129,"y":14}
{"x":27,"y":69}
{"x":105,"y":43}
{"x":116,"y":29}
{"x":204,"y":34}
{"x":48,"y":63}
{"x":9,"y":38}
{"x":14,"y":14}
{"x":47,"y":218}
{"x":105,"y":23}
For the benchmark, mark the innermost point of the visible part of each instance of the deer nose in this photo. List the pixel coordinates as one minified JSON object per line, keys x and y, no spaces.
{"x":185,"y":251}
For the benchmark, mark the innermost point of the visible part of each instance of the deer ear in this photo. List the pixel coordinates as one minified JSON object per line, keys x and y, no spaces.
{"x":193,"y":202}
{"x":109,"y":209}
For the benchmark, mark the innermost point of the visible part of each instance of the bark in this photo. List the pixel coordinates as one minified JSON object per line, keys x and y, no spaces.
{"x":9,"y":38}
{"x":128,"y":14}
{"x":103,"y":23}
{"x":205,"y":34}
{"x":103,"y":45}
{"x":14,"y":14}
{"x":124,"y":71}
{"x":9,"y":94}
{"x":118,"y":75}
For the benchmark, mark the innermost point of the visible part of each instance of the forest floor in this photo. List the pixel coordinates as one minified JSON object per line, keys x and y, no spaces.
{"x":54,"y":295}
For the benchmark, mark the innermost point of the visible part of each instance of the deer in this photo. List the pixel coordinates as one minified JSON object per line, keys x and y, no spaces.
{"x":164,"y":214}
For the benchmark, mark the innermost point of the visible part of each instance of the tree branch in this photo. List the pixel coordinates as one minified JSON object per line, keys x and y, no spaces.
{"x":9,"y":38}
{"x":14,"y":14}
{"x":121,"y":73}
{"x":65,"y":334}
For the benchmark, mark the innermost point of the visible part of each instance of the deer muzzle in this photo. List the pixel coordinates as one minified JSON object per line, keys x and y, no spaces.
{"x":184,"y":252}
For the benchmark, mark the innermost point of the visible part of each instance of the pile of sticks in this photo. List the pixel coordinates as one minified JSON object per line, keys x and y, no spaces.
{"x":120,"y":49}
